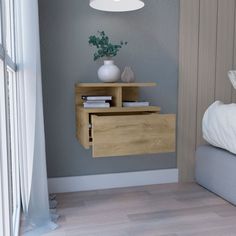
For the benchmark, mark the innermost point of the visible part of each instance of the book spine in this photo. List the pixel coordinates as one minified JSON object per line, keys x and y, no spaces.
{"x":96,"y":105}
{"x":97,"y":98}
{"x":135,"y":104}
{"x":94,"y":101}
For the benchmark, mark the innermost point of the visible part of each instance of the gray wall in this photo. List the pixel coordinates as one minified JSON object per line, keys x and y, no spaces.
{"x":152,"y":52}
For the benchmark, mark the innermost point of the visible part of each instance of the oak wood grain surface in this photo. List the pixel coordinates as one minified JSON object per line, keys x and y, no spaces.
{"x":146,"y":132}
{"x":115,"y":85}
{"x":133,"y":134}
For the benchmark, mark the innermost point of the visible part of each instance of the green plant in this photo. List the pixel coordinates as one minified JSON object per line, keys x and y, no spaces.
{"x":104,"y":47}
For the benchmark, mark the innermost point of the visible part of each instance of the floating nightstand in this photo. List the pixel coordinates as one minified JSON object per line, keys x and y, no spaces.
{"x":121,"y":131}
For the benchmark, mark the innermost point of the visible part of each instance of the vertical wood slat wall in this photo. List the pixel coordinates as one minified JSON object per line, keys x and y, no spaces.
{"x":207,"y":52}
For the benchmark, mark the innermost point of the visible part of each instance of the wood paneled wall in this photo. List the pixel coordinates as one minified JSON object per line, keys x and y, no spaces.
{"x":207,"y":52}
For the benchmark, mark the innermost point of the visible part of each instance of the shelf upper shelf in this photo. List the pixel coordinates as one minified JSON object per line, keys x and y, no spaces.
{"x":114,"y":85}
{"x":122,"y":109}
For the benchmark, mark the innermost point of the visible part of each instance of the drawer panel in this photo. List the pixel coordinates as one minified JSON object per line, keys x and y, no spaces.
{"x":133,"y":134}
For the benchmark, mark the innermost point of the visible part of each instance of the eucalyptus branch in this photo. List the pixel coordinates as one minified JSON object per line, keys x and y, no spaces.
{"x":103,"y":45}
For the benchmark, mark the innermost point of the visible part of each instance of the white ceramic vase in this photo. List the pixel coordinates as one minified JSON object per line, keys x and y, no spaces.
{"x":109,"y":72}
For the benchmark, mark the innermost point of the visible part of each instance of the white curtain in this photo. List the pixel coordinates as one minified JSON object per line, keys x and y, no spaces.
{"x":33,"y":176}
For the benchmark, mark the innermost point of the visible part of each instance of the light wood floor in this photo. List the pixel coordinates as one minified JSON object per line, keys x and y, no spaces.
{"x":173,"y":210}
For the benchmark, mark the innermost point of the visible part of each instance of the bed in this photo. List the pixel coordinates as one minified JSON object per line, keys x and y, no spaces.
{"x":216,"y":162}
{"x":216,"y":171}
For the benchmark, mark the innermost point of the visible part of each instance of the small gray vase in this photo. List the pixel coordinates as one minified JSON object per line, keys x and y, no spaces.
{"x":128,"y":75}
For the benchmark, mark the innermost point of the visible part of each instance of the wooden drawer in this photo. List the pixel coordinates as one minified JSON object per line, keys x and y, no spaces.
{"x":121,"y":135}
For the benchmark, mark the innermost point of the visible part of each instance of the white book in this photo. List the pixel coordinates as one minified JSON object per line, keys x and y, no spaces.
{"x":97,"y":98}
{"x":136,"y":104}
{"x":96,"y":105}
{"x":95,"y":102}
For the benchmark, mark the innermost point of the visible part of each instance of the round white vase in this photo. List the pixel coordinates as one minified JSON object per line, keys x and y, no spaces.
{"x":109,"y":72}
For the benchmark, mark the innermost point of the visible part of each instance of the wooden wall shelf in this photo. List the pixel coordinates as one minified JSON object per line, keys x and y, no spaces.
{"x":114,"y":85}
{"x":120,"y":131}
{"x":120,"y":109}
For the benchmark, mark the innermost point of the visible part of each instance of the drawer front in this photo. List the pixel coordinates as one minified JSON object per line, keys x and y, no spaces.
{"x":133,"y":134}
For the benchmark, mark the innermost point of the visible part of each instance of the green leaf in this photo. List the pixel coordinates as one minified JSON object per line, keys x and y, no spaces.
{"x":103,"y":45}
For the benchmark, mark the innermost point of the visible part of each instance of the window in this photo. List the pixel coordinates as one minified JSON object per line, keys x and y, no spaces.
{"x":9,"y":26}
{"x":0,"y":24}
{"x":9,"y":153}
{"x":4,"y":180}
{"x":13,"y":145}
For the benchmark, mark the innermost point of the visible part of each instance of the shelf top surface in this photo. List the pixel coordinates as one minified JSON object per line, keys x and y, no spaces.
{"x":122,"y":109}
{"x":102,"y":85}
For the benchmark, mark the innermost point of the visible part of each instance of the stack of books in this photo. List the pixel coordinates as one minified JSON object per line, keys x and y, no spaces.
{"x":97,"y":101}
{"x":135,"y":104}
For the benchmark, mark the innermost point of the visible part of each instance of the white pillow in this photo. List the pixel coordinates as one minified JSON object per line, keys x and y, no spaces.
{"x":219,"y":126}
{"x":232,"y":77}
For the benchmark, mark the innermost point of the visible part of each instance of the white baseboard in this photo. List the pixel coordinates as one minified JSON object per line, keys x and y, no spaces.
{"x":108,"y":181}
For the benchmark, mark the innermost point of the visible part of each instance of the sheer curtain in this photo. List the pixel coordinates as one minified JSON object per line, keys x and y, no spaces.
{"x":33,"y":176}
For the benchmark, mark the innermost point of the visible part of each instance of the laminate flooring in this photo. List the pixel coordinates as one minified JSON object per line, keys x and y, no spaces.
{"x":159,"y":210}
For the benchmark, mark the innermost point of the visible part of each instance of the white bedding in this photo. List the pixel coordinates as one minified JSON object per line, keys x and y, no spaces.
{"x":219,"y":126}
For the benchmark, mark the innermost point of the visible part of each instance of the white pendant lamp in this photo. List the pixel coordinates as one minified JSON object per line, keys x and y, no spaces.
{"x":116,"y":5}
